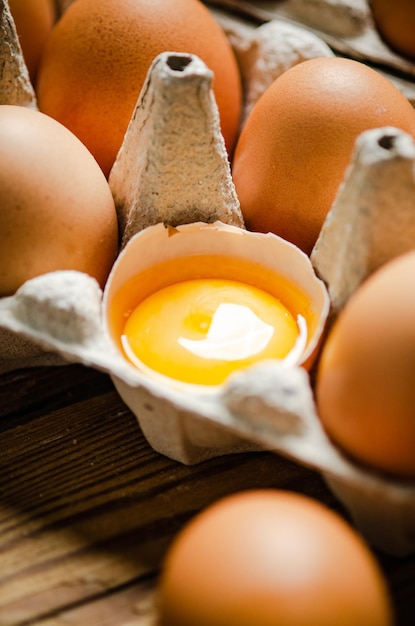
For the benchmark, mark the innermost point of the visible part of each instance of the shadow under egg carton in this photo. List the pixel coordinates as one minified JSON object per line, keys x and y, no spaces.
{"x":59,"y":317}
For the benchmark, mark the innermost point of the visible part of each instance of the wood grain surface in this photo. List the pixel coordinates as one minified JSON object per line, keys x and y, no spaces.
{"x":88,"y":509}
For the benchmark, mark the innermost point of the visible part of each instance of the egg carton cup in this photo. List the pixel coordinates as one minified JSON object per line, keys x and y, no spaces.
{"x":269,"y":406}
{"x":60,"y":317}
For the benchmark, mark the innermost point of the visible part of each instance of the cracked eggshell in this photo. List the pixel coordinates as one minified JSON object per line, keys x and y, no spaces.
{"x":163,"y":255}
{"x":158,"y":256}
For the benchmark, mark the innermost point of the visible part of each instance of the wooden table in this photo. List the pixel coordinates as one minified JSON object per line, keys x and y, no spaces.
{"x":88,"y":509}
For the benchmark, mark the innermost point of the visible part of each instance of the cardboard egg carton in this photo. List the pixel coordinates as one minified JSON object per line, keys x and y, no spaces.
{"x":61,"y":317}
{"x":16,"y":87}
{"x":346,"y":26}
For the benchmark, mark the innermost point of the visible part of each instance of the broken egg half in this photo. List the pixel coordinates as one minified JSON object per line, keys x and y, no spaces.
{"x":194,"y":303}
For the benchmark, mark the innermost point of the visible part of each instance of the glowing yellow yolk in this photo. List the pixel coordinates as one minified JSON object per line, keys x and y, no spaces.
{"x":199,"y":331}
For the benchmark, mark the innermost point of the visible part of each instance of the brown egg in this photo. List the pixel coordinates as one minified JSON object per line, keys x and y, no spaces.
{"x":269,"y":558}
{"x":297,"y":143}
{"x":57,"y":211}
{"x":98,"y":55}
{"x":395,"y":22}
{"x":365,"y":383}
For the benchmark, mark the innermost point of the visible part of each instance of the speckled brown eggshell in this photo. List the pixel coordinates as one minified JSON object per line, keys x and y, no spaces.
{"x":294,"y":149}
{"x":365,"y":384}
{"x":57,"y":211}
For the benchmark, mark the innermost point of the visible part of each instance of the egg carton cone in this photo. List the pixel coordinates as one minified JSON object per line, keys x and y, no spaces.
{"x":63,"y":316}
{"x":15,"y":85}
{"x":371,"y":220}
{"x":346,"y":26}
{"x":162,"y":150}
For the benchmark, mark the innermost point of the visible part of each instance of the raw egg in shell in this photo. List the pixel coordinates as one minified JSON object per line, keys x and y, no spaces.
{"x":192,"y":304}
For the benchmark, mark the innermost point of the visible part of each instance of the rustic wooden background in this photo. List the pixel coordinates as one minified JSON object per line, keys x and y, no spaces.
{"x":88,"y":509}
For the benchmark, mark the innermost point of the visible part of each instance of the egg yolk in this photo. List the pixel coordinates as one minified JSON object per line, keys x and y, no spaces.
{"x":199,"y":331}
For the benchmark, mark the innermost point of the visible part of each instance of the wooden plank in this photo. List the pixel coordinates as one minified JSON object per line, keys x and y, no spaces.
{"x":88,"y":509}
{"x":86,"y":506}
{"x":134,"y":606}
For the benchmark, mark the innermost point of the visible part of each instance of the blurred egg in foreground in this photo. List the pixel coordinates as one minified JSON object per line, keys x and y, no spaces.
{"x":268,"y":558}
